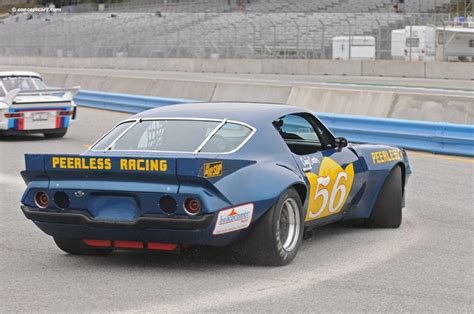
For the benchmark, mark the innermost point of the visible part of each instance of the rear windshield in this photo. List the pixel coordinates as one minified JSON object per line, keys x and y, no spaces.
{"x":22,"y":83}
{"x":176,"y":136}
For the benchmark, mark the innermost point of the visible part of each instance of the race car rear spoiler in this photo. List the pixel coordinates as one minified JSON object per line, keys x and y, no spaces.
{"x":63,"y":94}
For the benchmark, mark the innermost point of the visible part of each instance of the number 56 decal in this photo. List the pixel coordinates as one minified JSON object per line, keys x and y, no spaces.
{"x":329,"y":189}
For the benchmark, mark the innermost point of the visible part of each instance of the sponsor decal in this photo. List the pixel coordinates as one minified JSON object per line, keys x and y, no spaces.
{"x":308,"y":162}
{"x":233,"y":219}
{"x":213,"y":169}
{"x":385,"y":156}
{"x":102,"y":163}
{"x":329,"y":189}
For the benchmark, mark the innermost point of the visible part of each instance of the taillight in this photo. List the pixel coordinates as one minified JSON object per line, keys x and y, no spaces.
{"x":13,"y":115}
{"x":41,"y":199}
{"x":192,"y":206}
{"x":65,"y":113}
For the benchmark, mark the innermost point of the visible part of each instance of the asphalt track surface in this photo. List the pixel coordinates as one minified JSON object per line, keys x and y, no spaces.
{"x":425,"y":265}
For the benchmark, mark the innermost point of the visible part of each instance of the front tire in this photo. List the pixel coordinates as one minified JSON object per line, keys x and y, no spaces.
{"x":277,"y":236}
{"x":77,"y":247}
{"x":387,"y":211}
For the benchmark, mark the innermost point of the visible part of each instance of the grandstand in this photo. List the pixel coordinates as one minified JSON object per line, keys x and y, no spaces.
{"x":205,"y":28}
{"x":280,"y":6}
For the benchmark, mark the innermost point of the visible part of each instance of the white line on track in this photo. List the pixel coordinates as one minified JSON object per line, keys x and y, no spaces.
{"x":373,"y":253}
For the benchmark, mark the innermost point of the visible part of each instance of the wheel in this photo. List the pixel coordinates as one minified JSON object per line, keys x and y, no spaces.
{"x":55,"y":135}
{"x":76,"y":247}
{"x":387,"y":211}
{"x":277,"y":237}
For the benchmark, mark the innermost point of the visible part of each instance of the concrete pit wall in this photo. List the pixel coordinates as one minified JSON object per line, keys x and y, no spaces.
{"x":429,"y":70}
{"x":454,"y":109}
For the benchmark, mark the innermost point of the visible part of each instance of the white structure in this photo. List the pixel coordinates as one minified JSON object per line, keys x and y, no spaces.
{"x":458,"y":45}
{"x":398,"y":44}
{"x":357,"y":48}
{"x":420,"y":43}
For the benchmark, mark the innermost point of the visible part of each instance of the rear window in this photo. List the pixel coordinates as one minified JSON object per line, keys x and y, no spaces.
{"x":227,"y":139}
{"x":22,"y":83}
{"x":111,"y":136}
{"x":176,"y":136}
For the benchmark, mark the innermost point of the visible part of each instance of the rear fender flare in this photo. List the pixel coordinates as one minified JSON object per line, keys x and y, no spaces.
{"x":260,"y":183}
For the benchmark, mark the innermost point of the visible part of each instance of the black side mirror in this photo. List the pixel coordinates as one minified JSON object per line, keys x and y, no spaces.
{"x":340,"y":142}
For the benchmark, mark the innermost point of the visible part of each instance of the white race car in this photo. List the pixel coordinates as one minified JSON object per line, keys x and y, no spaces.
{"x":28,"y":106}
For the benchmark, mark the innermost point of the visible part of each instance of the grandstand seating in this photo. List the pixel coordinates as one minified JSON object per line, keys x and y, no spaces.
{"x":291,"y":29}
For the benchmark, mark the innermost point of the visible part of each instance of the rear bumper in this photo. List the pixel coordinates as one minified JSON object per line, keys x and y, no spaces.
{"x":23,"y":132}
{"x":195,"y":230}
{"x":144,"y":222}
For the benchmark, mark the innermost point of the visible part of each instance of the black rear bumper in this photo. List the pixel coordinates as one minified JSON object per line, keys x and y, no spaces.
{"x":24,"y":132}
{"x":141,"y":223}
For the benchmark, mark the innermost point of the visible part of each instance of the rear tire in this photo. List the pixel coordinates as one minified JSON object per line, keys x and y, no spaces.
{"x":77,"y":247}
{"x":387,"y":211}
{"x":277,"y":236}
{"x":55,"y":135}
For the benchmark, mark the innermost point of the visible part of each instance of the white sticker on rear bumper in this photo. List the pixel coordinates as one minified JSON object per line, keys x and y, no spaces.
{"x":233,"y":219}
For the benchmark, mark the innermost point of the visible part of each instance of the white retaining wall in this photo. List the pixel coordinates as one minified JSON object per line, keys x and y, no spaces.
{"x":434,"y":70}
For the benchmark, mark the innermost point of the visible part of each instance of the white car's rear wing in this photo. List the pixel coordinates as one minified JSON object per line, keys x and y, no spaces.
{"x":63,"y":94}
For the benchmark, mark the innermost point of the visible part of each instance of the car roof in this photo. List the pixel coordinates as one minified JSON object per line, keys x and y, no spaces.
{"x":248,"y":112}
{"x":19,"y":73}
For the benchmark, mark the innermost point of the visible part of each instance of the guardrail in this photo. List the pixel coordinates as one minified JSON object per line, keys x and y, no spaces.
{"x":443,"y":138}
{"x":123,"y":102}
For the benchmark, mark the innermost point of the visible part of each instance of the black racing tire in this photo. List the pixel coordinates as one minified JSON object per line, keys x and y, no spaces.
{"x":55,"y":135}
{"x":387,"y":211}
{"x":263,"y":245}
{"x":77,"y":247}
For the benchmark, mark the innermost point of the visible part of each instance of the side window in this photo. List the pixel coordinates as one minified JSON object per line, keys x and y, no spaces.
{"x":303,"y":135}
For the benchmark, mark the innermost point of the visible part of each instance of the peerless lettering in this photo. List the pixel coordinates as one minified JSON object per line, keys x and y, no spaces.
{"x":81,"y":163}
{"x":387,"y":156}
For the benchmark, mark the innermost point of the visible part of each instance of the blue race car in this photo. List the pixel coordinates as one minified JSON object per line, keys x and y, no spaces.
{"x":254,"y":176}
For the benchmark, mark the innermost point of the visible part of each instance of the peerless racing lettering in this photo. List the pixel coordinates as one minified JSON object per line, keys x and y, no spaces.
{"x":233,"y":219}
{"x":100,"y":163}
{"x":387,"y":156}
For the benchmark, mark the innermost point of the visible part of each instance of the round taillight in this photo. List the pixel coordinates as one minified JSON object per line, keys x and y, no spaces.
{"x":192,"y":206}
{"x":61,"y":199}
{"x":168,"y":204}
{"x":41,"y":199}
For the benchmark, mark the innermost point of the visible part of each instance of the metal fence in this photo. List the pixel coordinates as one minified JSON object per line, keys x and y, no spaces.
{"x":291,"y":35}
